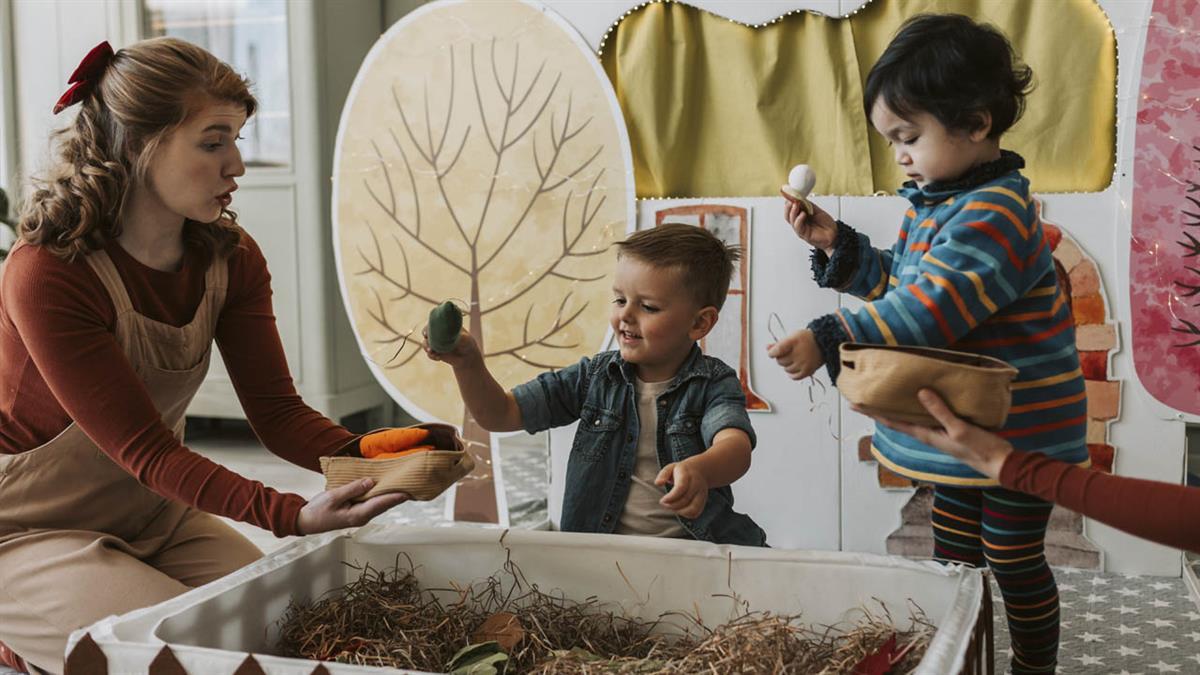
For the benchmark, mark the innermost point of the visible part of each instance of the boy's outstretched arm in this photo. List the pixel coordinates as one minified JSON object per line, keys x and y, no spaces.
{"x":494,"y":408}
{"x":726,"y":431}
{"x":726,"y":461}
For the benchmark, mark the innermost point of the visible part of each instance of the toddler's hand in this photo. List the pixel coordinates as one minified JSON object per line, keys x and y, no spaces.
{"x":465,"y":352}
{"x":819,"y":229}
{"x":689,"y":492}
{"x":798,"y":354}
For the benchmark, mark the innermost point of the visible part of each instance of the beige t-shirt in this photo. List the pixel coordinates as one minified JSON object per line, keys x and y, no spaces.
{"x":643,"y":514}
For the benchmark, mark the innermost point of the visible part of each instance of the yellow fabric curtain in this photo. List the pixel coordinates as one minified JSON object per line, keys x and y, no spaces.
{"x":717,"y":109}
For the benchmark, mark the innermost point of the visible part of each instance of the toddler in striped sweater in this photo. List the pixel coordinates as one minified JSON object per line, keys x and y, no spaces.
{"x":971,"y":270}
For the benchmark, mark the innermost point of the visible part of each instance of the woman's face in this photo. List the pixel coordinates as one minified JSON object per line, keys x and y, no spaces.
{"x":192,"y":173}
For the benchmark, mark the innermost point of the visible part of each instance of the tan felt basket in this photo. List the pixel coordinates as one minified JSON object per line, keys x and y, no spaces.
{"x":423,"y":475}
{"x":885,"y":379}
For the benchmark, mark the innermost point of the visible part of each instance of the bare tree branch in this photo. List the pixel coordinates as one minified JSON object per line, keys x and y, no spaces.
{"x":568,"y":250}
{"x":412,"y":181}
{"x":1192,"y":245}
{"x":569,"y":277}
{"x":1192,"y":289}
{"x":1192,"y":248}
{"x":1191,"y":329}
{"x":585,"y":218}
{"x":496,"y":76}
{"x":449,"y":109}
{"x":536,"y":117}
{"x":415,"y":234}
{"x":559,"y":324}
{"x":429,"y":125}
{"x":589,"y":160}
{"x":456,"y":155}
{"x":512,"y":86}
{"x":431,"y":150}
{"x":537,"y":364}
{"x":529,"y":90}
{"x":429,"y":159}
{"x":479,"y":98}
{"x":380,"y":269}
{"x":403,"y":339}
{"x":387,"y":177}
{"x":432,"y":161}
{"x":543,"y":176}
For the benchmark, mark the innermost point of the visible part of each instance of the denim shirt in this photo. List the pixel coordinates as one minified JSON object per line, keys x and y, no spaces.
{"x":704,"y":397}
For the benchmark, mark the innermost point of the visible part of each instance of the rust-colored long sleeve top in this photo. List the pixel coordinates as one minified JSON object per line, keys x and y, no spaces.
{"x":60,"y":362}
{"x":1160,"y":512}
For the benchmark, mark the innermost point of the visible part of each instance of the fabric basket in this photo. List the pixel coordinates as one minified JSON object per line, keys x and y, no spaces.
{"x":885,"y":379}
{"x":423,"y":475}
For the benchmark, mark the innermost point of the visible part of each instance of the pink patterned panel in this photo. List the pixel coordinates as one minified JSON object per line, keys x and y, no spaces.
{"x":1165,"y":251}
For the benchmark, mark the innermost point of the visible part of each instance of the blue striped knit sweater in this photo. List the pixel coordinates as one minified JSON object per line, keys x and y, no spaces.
{"x":971,"y":271}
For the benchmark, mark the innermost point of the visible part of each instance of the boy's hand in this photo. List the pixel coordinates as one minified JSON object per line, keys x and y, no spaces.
{"x":798,"y":354}
{"x":689,"y":492}
{"x":466,"y":350}
{"x":819,"y":229}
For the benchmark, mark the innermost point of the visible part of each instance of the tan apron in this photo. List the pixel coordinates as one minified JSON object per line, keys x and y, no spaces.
{"x":80,"y":538}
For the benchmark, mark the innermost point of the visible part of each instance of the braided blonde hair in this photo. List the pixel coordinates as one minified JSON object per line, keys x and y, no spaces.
{"x":147,"y":91}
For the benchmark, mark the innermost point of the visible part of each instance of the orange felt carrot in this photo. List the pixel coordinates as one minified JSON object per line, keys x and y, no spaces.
{"x":403,"y":453}
{"x":390,"y":440}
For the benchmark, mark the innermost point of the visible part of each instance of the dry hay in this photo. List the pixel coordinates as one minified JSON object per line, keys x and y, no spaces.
{"x":384,"y":618}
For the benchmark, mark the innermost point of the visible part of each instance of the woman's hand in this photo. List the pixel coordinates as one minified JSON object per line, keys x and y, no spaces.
{"x":333,"y":510}
{"x":819,"y":229}
{"x":977,"y":448}
{"x":798,"y":354}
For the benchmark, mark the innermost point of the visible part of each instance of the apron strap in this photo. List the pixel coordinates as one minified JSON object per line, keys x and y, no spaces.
{"x":216,"y":282}
{"x":104,"y":268}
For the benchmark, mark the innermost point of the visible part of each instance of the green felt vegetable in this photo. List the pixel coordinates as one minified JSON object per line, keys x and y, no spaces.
{"x":445,"y":323}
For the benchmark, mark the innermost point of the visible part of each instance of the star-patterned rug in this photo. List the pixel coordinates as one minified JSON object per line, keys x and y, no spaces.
{"x":1118,"y":624}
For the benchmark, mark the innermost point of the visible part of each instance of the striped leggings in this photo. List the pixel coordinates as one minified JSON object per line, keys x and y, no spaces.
{"x":1008,"y":531}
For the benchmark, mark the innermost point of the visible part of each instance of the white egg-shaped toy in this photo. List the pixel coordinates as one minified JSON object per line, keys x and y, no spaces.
{"x":801,"y":180}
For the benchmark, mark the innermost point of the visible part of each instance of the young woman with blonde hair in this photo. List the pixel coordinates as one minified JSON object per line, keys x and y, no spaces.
{"x":128,"y":266}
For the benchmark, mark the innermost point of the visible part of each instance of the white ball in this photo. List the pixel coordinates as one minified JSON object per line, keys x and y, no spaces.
{"x":802,"y":179}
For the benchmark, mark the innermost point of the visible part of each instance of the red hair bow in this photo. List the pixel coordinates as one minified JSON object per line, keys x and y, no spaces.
{"x":85,"y":77}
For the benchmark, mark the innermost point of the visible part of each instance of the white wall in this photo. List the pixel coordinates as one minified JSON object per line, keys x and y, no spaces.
{"x":8,"y":110}
{"x":49,"y":39}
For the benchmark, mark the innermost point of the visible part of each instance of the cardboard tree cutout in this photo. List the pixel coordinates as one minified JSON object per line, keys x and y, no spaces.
{"x":1164,"y":263}
{"x":482,"y":158}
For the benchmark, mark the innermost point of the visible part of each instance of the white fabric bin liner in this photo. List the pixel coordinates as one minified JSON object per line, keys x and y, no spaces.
{"x":212,"y":628}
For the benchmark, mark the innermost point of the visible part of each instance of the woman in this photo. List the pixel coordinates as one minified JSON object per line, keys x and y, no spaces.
{"x":1161,"y":512}
{"x":129,"y":264}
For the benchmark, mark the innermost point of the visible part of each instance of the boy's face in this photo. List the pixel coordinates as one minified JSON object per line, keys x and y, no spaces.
{"x":926,"y":150}
{"x":655,"y":320}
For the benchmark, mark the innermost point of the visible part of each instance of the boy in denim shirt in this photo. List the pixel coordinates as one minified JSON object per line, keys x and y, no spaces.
{"x":663,"y":429}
